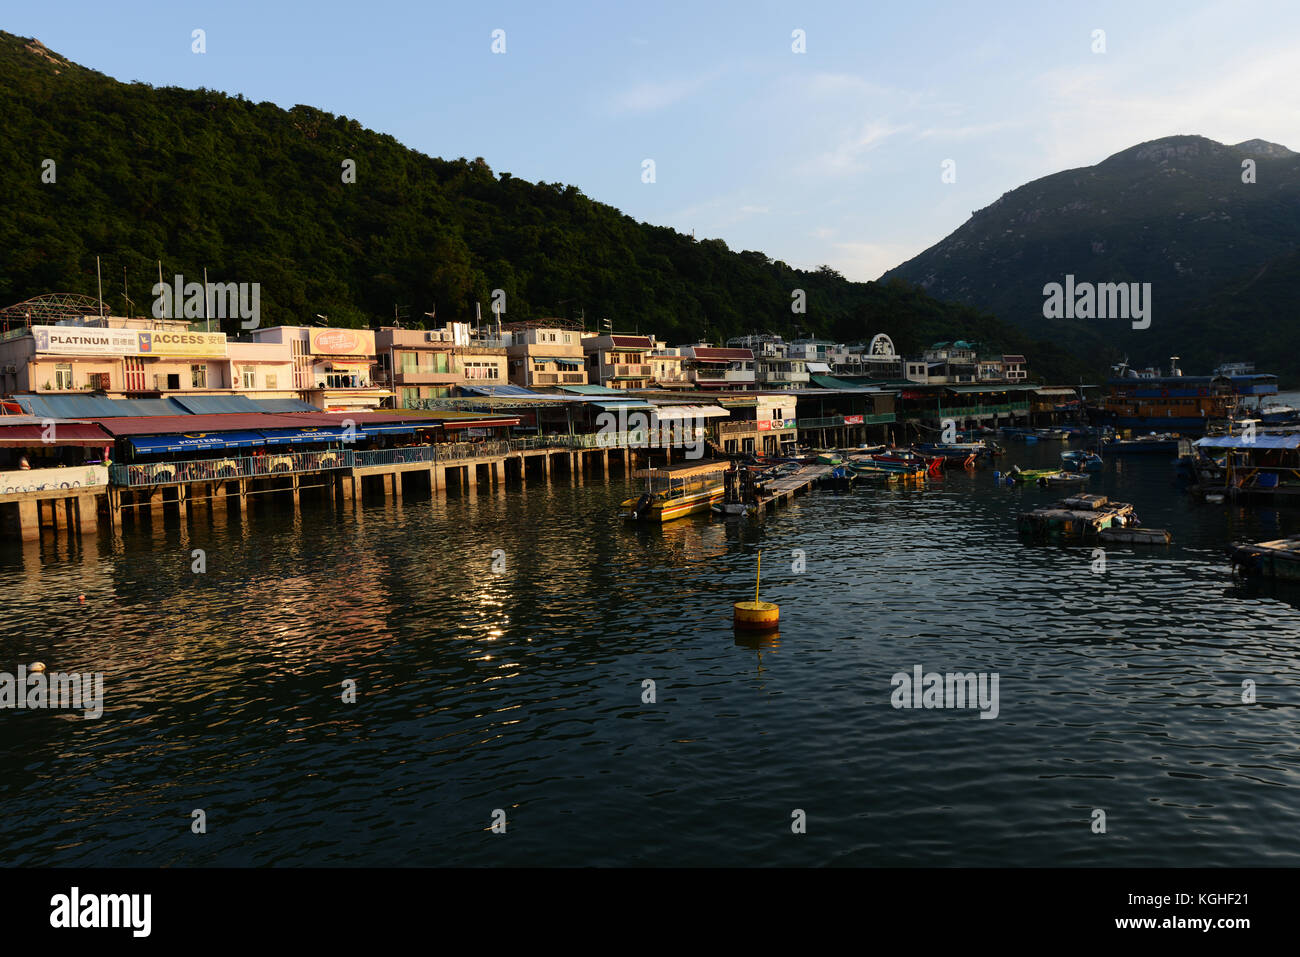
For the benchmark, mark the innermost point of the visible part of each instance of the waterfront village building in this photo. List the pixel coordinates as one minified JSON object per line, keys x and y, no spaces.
{"x":774,"y":367}
{"x":546,"y":353}
{"x":424,"y":364}
{"x":128,"y":358}
{"x":761,"y":423}
{"x":666,"y":366}
{"x":618,"y":361}
{"x":960,"y":363}
{"x":331,"y":369}
{"x":710,"y":368}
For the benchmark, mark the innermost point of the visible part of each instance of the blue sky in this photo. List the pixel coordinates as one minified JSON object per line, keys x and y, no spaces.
{"x":830,"y":156}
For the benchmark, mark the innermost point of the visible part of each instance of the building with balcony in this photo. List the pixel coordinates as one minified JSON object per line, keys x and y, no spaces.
{"x":332,"y":369}
{"x":120,"y":357}
{"x":779,"y":372}
{"x":429,"y":363}
{"x":711,"y":368}
{"x":618,"y":361}
{"x":546,"y":354}
{"x":667,"y":367}
{"x":1013,"y":368}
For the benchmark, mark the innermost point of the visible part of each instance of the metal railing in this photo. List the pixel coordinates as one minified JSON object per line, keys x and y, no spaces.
{"x":234,"y":467}
{"x":834,"y":421}
{"x":138,"y":474}
{"x":967,"y":411}
{"x":410,"y":455}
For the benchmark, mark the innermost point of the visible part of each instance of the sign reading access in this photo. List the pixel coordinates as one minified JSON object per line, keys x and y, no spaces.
{"x":80,"y":341}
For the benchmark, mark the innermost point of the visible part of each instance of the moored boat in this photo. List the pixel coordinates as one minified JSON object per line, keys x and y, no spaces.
{"x":1275,"y":559}
{"x":1063,"y":479}
{"x":675,"y":491}
{"x":1076,"y":461}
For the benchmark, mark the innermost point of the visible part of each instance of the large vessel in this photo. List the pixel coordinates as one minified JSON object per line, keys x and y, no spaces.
{"x":675,"y":491}
{"x":1179,"y":403}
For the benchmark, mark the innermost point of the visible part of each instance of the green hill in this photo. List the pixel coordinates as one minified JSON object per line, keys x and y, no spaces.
{"x":255,"y":193}
{"x":1173,"y":212}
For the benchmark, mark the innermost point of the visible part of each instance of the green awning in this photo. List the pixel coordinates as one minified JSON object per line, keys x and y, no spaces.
{"x":1006,"y":387}
{"x":830,"y":382}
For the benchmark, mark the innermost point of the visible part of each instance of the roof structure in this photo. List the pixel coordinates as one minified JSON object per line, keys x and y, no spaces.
{"x":711,"y":354}
{"x":53,"y":307}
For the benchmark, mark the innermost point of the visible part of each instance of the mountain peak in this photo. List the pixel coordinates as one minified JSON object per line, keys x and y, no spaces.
{"x":1263,"y":148}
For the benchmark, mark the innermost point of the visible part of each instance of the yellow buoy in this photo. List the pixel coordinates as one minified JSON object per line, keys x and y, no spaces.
{"x":756,"y":615}
{"x":37,"y":667}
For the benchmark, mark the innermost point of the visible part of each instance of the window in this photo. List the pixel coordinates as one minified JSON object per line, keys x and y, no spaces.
{"x":199,"y":377}
{"x":250,"y":379}
{"x":63,"y":375}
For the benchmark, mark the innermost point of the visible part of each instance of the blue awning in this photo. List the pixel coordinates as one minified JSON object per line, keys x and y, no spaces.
{"x":498,"y":390}
{"x":326,"y":433}
{"x":213,"y":404}
{"x":1258,"y":442}
{"x":189,"y":442}
{"x":283,"y":405}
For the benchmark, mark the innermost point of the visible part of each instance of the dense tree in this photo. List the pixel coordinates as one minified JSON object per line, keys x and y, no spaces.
{"x":256,"y":193}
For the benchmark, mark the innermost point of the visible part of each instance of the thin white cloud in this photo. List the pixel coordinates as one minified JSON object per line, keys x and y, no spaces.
{"x":650,"y":95}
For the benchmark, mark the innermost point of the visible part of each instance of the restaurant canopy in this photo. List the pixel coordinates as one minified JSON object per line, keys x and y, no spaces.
{"x":53,"y":433}
{"x":325,"y":433}
{"x":483,"y":423}
{"x":189,"y":442}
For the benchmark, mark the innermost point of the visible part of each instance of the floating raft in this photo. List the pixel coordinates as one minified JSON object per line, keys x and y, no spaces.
{"x":1083,"y":516}
{"x":1135,"y":536}
{"x":1276,"y":559}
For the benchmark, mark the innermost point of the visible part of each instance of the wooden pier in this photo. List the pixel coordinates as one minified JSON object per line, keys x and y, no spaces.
{"x":785,"y":488}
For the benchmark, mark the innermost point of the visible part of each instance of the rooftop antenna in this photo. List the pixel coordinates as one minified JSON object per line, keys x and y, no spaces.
{"x":207,"y":319}
{"x":100,"y":282}
{"x":129,"y":304}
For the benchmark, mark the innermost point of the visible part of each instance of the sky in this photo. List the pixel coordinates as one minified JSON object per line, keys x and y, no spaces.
{"x":835,"y":155}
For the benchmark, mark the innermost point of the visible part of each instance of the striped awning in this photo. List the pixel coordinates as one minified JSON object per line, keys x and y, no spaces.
{"x":667,"y":413}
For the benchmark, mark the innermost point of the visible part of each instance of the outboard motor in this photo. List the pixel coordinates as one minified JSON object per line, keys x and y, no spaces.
{"x":641,"y":507}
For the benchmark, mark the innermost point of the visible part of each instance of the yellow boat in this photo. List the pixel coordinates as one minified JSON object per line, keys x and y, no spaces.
{"x":675,"y":491}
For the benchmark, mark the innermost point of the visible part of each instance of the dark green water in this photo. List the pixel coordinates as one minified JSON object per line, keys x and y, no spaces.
{"x":523,"y":690}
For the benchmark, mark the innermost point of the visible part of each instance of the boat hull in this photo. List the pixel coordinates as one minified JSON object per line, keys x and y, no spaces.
{"x":667,"y":510}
